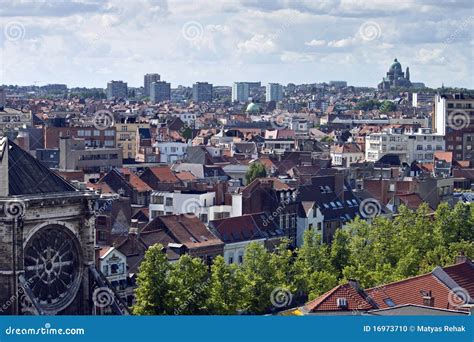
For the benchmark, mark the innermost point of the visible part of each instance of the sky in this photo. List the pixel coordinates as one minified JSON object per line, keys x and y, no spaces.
{"x":88,"y":43}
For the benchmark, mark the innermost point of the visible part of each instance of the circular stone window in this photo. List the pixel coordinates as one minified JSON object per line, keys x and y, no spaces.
{"x":53,"y":267}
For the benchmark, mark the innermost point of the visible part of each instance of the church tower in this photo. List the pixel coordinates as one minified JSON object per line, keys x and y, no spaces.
{"x":407,"y":74}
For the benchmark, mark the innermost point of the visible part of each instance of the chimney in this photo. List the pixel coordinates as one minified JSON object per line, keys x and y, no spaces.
{"x":428,"y":299}
{"x":354,"y":284}
{"x":133,"y":227}
{"x":339,"y":185}
{"x":461,"y":258}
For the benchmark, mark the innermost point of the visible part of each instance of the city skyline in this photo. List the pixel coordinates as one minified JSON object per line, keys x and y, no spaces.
{"x":89,"y":43}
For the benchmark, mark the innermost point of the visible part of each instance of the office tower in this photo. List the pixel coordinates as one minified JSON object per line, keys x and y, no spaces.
{"x":148,"y":79}
{"x":160,"y":91}
{"x":240,"y":92}
{"x":274,"y":92}
{"x":202,"y":92}
{"x":117,"y":90}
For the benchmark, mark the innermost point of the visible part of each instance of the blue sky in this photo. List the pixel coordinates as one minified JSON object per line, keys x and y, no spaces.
{"x":87,"y":43}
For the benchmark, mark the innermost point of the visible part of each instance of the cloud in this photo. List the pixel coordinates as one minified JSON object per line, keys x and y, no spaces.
{"x":315,"y":42}
{"x":88,"y":42}
{"x":342,"y":42}
{"x":430,"y":56}
{"x":257,"y":44}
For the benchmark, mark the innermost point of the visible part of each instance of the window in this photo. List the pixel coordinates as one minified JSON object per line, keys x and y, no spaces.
{"x":105,"y":270}
{"x":389,"y":302}
{"x":169,"y":201}
{"x":102,"y":220}
{"x":319,"y":225}
{"x":109,"y":133}
{"x":158,"y":200}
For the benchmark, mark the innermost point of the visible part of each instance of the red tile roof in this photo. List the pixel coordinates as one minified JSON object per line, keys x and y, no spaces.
{"x":411,"y":291}
{"x":185,"y":175}
{"x":356,"y":300}
{"x":135,"y":181}
{"x":408,"y":291}
{"x":446,"y":156}
{"x":463,"y":275}
{"x":164,"y":174}
{"x":411,"y":201}
{"x":185,"y":229}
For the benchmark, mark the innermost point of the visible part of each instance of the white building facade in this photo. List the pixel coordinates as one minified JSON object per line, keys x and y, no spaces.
{"x":408,"y":145}
{"x":174,"y":203}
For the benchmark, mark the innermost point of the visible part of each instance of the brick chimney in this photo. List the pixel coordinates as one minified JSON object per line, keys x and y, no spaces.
{"x":460,"y":258}
{"x":428,"y":299}
{"x":339,"y":185}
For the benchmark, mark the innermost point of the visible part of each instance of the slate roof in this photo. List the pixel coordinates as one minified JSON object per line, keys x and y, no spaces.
{"x":246,"y":228}
{"x":322,"y":192}
{"x":27,"y":175}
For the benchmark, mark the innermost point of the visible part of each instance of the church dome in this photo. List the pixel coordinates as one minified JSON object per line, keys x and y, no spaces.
{"x":396,"y":65}
{"x":253,"y":108}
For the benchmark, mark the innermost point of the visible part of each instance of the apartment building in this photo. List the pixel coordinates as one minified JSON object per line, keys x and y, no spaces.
{"x":126,"y":138}
{"x":407,"y":144}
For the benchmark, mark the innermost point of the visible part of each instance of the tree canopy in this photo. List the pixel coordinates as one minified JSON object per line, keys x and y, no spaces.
{"x":385,"y":250}
{"x":256,"y":170}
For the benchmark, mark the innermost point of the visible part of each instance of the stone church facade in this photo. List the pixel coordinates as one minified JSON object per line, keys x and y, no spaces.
{"x":47,"y":240}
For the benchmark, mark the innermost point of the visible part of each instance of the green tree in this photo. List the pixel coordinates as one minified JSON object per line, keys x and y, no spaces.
{"x":256,"y":170}
{"x":320,"y":282}
{"x":225,"y":285}
{"x":188,"y":286}
{"x":339,"y":251}
{"x":257,"y":279}
{"x":387,"y":106}
{"x":312,"y":257}
{"x":152,"y":283}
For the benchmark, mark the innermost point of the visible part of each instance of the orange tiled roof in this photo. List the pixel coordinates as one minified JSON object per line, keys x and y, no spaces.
{"x":135,"y":181}
{"x":356,"y":300}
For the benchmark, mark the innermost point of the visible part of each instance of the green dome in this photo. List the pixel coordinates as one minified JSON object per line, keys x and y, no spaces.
{"x":253,"y":108}
{"x":396,"y":65}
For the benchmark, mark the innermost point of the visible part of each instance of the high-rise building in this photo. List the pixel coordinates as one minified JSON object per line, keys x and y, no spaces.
{"x":274,"y":92}
{"x":160,"y":91}
{"x":148,"y":79}
{"x":202,"y":92}
{"x":454,"y":118}
{"x":117,"y":90}
{"x":240,"y":92}
{"x":3,"y":101}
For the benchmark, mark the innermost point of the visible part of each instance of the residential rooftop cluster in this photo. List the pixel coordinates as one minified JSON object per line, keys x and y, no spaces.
{"x":206,"y":170}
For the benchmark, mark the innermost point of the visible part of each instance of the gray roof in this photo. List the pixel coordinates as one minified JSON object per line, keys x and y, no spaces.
{"x":26,"y":175}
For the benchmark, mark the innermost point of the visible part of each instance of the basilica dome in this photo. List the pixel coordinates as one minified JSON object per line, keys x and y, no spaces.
{"x":396,"y":65}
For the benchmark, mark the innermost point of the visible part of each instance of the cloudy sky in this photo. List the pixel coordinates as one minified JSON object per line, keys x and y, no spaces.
{"x":87,"y":43}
